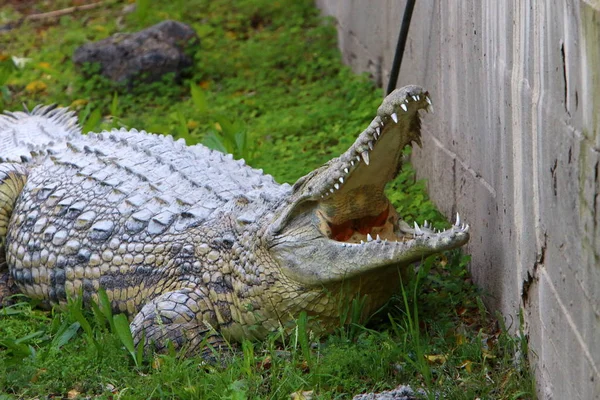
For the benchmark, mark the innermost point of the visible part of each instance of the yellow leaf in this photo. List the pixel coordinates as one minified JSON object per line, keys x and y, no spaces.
{"x":435,"y":358}
{"x":191,"y":124}
{"x":44,"y":64}
{"x":36,"y":87}
{"x":460,"y":339}
{"x":218,"y":126}
{"x":443,"y":261}
{"x":72,"y":394}
{"x":157,"y":362}
{"x":302,"y":395}
{"x":467,"y":365}
{"x":78,"y":104}
{"x":487,"y":354}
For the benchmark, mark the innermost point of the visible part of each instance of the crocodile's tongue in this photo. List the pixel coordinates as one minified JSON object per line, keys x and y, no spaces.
{"x":382,"y":225}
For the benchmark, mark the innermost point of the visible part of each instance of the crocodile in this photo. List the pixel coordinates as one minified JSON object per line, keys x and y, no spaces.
{"x":200,"y":250}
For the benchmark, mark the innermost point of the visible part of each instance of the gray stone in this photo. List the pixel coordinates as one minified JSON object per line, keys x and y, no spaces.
{"x":400,"y":393}
{"x":142,"y":56}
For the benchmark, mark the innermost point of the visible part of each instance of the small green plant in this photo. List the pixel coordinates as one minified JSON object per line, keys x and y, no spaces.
{"x":226,"y":136}
{"x":7,"y":68}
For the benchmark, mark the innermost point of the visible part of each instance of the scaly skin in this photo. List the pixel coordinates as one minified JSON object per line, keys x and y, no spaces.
{"x":198,"y":248}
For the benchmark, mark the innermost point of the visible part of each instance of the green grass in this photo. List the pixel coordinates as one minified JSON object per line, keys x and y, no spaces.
{"x":269,"y":86}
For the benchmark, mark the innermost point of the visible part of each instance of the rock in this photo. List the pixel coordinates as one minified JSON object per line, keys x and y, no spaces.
{"x":400,"y":393}
{"x":143,"y":56}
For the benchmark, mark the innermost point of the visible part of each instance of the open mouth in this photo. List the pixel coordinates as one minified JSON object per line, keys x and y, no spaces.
{"x":353,"y":208}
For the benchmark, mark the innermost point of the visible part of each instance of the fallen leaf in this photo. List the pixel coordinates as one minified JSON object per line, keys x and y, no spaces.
{"x":305,"y":367}
{"x":487,"y":354}
{"x":157,"y":362}
{"x":78,"y":104}
{"x":435,"y":358}
{"x":266,"y":363}
{"x":39,"y":372}
{"x":72,"y":394}
{"x":302,"y":395}
{"x":20,"y":61}
{"x":467,"y":365}
{"x":36,"y":87}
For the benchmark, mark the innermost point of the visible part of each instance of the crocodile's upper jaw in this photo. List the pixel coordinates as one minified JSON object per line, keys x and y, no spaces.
{"x":340,"y":224}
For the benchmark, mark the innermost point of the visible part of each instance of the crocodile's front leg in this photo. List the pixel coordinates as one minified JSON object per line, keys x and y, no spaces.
{"x":183,"y":318}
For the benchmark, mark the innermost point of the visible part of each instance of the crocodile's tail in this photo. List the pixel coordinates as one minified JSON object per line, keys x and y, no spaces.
{"x":12,"y":180}
{"x":25,"y":133}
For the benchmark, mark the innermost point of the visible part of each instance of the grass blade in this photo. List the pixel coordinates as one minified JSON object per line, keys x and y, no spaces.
{"x":124,"y":333}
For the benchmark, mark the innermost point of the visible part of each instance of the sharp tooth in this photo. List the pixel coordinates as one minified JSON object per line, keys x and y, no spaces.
{"x":331,"y":190}
{"x":341,"y":179}
{"x":415,"y":98}
{"x":369,"y":237}
{"x":418,"y":98}
{"x":357,"y":158}
{"x":428,"y":100}
{"x":404,"y":107}
{"x":336,"y":186}
{"x":466,"y":228}
{"x":352,"y":162}
{"x":346,"y":170}
{"x":378,"y":238}
{"x":365,"y":156}
{"x":426,"y":224}
{"x":457,"y":220}
{"x":377,"y":132}
{"x":418,"y":230}
{"x":395,"y":116}
{"x":362,"y":242}
{"x":370,"y":144}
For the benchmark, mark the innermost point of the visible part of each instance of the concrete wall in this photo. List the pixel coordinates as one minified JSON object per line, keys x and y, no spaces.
{"x":514,"y":146}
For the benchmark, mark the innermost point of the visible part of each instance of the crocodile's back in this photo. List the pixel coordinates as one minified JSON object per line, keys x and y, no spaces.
{"x":114,"y":209}
{"x":22,"y":133}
